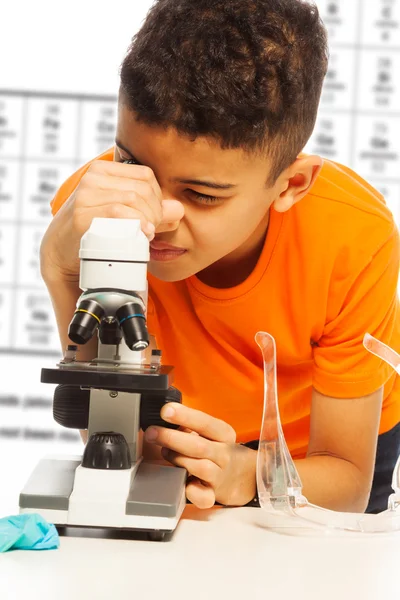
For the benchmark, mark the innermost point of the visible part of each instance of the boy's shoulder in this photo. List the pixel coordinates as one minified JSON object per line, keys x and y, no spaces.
{"x":342,"y":214}
{"x":340,"y":189}
{"x":342,"y":223}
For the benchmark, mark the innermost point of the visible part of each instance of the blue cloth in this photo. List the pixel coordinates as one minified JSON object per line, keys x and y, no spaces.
{"x":27,"y":532}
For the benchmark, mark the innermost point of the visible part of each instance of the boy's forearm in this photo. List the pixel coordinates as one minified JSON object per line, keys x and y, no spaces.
{"x":330,"y":482}
{"x":333,"y":483}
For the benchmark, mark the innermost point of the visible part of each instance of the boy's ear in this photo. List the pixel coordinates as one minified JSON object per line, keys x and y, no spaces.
{"x":297,"y":180}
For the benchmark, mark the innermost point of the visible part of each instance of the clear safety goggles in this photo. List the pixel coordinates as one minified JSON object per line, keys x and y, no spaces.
{"x":278,"y":482}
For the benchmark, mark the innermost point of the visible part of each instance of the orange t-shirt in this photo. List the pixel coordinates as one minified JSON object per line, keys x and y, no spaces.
{"x":326,"y":276}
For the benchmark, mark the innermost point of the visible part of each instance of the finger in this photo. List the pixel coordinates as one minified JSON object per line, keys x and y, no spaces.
{"x":203,"y":469}
{"x":107,"y":182}
{"x":118,"y":169}
{"x":207,"y":426}
{"x":113,"y":211}
{"x":202,"y":496}
{"x":167,"y":213}
{"x":150,"y":207}
{"x":186,"y":430}
{"x":173,"y":210}
{"x":190,"y":445}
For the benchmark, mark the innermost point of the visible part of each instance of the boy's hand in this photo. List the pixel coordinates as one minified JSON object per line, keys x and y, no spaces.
{"x":220,"y":469}
{"x":108,"y":189}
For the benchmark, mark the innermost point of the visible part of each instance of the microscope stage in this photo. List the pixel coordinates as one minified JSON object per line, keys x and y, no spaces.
{"x":111,"y":377}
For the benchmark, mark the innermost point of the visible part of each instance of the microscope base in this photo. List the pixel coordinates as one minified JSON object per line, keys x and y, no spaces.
{"x":148,"y":497}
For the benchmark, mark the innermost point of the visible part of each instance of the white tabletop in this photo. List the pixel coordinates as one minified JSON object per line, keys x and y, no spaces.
{"x":225,"y":554}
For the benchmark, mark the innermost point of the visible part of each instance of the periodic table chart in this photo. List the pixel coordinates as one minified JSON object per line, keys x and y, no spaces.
{"x":45,"y":136}
{"x":359,"y":117}
{"x":43,"y":139}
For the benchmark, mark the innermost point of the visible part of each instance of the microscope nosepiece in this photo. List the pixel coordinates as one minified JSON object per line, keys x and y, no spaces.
{"x":85,"y":321}
{"x":133,"y":324}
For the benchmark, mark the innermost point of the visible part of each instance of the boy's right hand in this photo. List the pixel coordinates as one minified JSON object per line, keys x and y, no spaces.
{"x":112,"y":190}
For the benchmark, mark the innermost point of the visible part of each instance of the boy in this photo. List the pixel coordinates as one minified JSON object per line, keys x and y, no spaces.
{"x":217,"y":101}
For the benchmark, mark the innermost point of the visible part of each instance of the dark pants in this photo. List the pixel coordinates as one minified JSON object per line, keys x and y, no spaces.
{"x":387,"y":453}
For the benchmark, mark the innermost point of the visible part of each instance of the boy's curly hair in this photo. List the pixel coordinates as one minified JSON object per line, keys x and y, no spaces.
{"x":248,"y":73}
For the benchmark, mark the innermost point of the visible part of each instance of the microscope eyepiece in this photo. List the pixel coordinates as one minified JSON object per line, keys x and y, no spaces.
{"x":133,"y":324}
{"x":85,"y":321}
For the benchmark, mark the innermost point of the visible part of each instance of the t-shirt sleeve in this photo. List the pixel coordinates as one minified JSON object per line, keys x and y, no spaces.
{"x":70,"y":184}
{"x":367,"y":303}
{"x":66,"y":189}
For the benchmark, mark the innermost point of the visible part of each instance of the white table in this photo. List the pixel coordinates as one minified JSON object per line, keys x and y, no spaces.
{"x":225,"y":554}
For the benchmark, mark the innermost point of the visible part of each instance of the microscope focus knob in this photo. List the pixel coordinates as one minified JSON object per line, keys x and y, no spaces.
{"x":151,"y":405}
{"x":71,"y":406}
{"x":107,"y":450}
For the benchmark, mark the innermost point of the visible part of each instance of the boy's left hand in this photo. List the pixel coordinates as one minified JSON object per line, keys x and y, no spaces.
{"x":220,"y":469}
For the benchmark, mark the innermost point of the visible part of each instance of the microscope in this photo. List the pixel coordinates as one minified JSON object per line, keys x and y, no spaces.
{"x":114,"y":397}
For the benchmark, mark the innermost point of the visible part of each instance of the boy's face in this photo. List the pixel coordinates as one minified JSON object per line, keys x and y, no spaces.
{"x":221,"y":228}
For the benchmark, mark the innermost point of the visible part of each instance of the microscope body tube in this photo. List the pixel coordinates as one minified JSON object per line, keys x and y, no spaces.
{"x":113,"y":255}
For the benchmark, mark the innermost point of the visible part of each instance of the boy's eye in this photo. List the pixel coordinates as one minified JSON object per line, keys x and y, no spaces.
{"x":122,"y":156}
{"x":204,"y":199}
